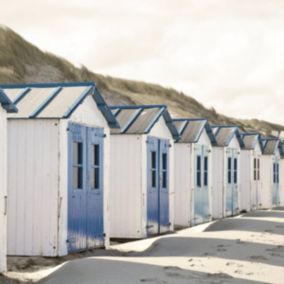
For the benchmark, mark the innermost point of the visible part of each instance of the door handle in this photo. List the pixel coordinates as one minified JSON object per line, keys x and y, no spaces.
{"x":5,"y":205}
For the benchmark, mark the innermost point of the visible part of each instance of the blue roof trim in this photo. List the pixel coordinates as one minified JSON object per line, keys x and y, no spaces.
{"x":154,"y":120}
{"x":163,"y":112}
{"x":7,"y":103}
{"x":170,"y":125}
{"x":131,"y":120}
{"x":136,"y":106}
{"x":258,"y":140}
{"x":86,"y":92}
{"x":236,"y":132}
{"x":267,"y":139}
{"x":21,"y":95}
{"x":207,"y":128}
{"x":105,"y":109}
{"x":47,"y":85}
{"x":46,"y":102}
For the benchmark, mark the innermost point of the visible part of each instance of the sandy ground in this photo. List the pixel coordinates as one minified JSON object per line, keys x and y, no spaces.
{"x":244,"y":249}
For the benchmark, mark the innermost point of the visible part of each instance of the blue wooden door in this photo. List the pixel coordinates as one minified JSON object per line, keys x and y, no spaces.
{"x":205,"y":188}
{"x":164,"y":221}
{"x":275,"y":187}
{"x":76,"y":187}
{"x":157,"y":186}
{"x":235,"y":177}
{"x":198,"y":192}
{"x":85,"y":187}
{"x":230,"y":185}
{"x":152,"y":186}
{"x":95,"y":158}
{"x":232,"y":207}
{"x":201,"y":191}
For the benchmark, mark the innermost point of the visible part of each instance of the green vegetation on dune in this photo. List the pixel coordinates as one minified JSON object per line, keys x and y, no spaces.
{"x":22,"y":62}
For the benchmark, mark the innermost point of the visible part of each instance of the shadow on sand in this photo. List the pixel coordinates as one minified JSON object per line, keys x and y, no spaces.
{"x":101,"y":271}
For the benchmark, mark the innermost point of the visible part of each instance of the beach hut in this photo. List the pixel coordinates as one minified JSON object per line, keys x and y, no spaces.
{"x":250,"y":171}
{"x":269,"y":175}
{"x":58,"y":162}
{"x":226,"y":176}
{"x":193,"y":172}
{"x":142,"y":172}
{"x":5,"y":106}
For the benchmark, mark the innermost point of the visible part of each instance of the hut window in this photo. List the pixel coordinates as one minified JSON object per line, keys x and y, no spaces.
{"x":258,"y":169}
{"x":235,"y":170}
{"x":198,"y":171}
{"x":95,"y":177}
{"x":77,"y":165}
{"x":255,"y":169}
{"x":205,"y":171}
{"x":164,"y":169}
{"x":275,"y":173}
{"x":256,"y":172}
{"x":154,"y":168}
{"x":229,"y":170}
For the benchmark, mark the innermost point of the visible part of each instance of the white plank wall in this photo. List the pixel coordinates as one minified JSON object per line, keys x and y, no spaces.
{"x":126,"y":216}
{"x":246,"y":180}
{"x":33,"y":203}
{"x":183,"y":187}
{"x":3,"y":189}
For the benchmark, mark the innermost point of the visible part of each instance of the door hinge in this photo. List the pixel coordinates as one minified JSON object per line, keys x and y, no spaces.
{"x":5,"y":205}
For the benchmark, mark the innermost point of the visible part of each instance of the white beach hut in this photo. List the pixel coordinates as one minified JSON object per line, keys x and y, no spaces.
{"x":226,"y":176}
{"x":142,"y":172}
{"x":193,"y":172}
{"x":58,"y":162}
{"x":269,"y":175}
{"x":250,"y":172}
{"x":5,"y":106}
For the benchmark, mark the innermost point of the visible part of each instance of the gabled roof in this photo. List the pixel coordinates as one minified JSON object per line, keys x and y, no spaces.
{"x":225,"y":133}
{"x":251,"y":139}
{"x":140,"y":119}
{"x":190,"y":130}
{"x":270,"y":146}
{"x":54,"y":100}
{"x":6,"y":103}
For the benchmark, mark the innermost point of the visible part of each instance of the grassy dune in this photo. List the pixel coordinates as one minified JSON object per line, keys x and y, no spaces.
{"x":21,"y":61}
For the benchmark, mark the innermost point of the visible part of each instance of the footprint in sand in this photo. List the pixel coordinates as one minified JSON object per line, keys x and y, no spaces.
{"x":221,"y":249}
{"x":258,"y":257}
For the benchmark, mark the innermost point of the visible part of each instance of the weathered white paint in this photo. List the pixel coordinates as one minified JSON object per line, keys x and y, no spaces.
{"x":218,"y":161}
{"x":3,"y":189}
{"x":266,"y":176}
{"x":38,"y":181}
{"x":128,"y":182}
{"x":185,"y":180}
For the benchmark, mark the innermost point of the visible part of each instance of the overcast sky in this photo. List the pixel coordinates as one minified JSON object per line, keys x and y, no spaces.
{"x":226,"y":53}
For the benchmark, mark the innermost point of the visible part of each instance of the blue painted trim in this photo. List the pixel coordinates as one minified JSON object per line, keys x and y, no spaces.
{"x":46,"y":103}
{"x":105,"y":109}
{"x":116,"y":112}
{"x":190,"y":119}
{"x":47,"y":85}
{"x":136,"y":106}
{"x":7,"y":103}
{"x":131,"y":120}
{"x":86,"y":92}
{"x":170,"y":124}
{"x":22,"y":95}
{"x":154,"y":120}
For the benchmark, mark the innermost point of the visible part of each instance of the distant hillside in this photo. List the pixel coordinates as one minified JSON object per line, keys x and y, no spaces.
{"x":21,"y":62}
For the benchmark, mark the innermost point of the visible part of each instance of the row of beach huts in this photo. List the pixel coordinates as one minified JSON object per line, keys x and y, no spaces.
{"x":75,"y":172}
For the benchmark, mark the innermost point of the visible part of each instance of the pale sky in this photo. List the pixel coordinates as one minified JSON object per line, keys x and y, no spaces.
{"x":225,"y":53}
